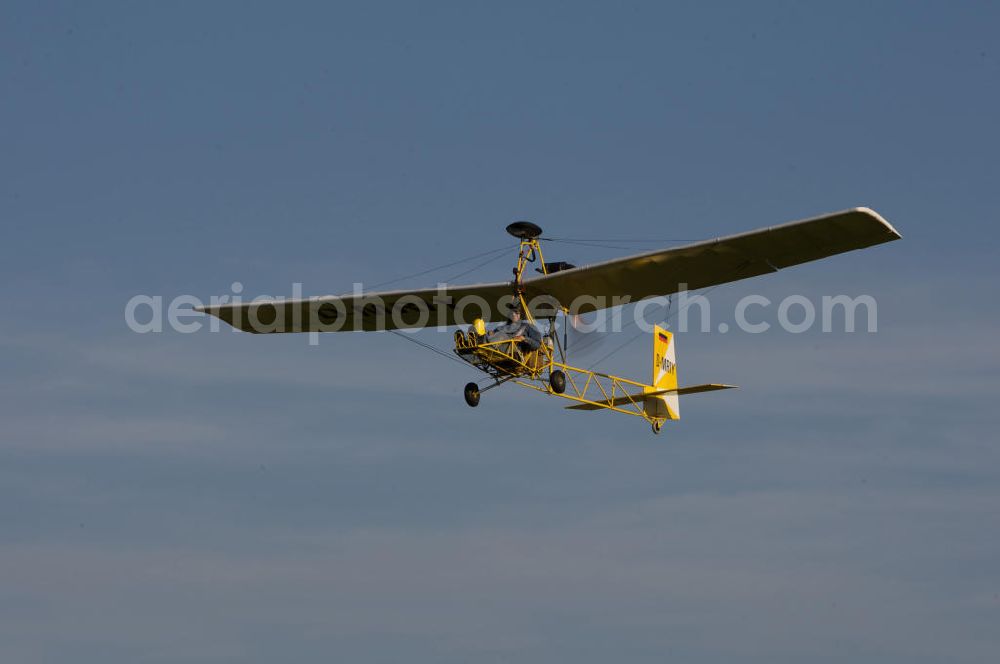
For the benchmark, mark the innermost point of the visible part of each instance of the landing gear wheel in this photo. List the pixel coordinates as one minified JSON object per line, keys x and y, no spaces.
{"x":657,"y":425}
{"x":557,"y":380}
{"x":460,"y":341}
{"x":472,"y":394}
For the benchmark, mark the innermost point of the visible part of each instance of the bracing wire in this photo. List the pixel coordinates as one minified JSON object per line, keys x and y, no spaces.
{"x":599,"y":337}
{"x":601,"y":243}
{"x":631,"y":339}
{"x":444,"y":266}
{"x":669,"y":315}
{"x":584,"y":243}
{"x":475,"y":267}
{"x":606,"y":239}
{"x":430,"y":347}
{"x":496,"y":254}
{"x":493,"y":254}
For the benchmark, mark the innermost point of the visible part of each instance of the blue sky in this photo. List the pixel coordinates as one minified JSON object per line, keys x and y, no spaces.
{"x":228,"y":497}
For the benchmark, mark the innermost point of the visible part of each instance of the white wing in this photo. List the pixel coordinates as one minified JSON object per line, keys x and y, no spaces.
{"x":579,"y":289}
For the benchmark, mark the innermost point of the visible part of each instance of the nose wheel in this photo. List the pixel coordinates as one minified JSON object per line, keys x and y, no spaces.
{"x":657,"y":425}
{"x":472,"y":394}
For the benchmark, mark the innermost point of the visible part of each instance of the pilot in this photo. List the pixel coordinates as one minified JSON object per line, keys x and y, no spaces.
{"x":520,"y":330}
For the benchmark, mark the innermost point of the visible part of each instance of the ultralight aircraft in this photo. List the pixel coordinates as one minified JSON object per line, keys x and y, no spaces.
{"x":566,"y":290}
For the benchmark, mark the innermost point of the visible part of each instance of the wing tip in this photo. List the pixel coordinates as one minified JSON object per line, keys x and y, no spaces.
{"x":880,"y":219}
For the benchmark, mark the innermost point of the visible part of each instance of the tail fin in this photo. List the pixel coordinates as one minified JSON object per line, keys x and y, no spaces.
{"x":664,"y":377}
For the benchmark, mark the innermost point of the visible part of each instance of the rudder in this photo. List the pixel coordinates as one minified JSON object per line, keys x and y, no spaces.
{"x":664,"y":377}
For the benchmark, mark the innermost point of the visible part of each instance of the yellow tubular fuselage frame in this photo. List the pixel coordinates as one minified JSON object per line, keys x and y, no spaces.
{"x":503,"y":360}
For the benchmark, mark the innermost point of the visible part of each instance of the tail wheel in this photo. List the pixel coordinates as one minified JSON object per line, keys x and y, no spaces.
{"x":657,"y":425}
{"x":557,"y":380}
{"x":472,"y":394}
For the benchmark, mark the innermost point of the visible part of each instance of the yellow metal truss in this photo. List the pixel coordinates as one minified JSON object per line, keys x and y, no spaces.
{"x":505,"y":362}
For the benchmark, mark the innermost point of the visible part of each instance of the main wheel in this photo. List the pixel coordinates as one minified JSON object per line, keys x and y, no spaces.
{"x":557,"y":379}
{"x":657,"y":425}
{"x":472,"y":394}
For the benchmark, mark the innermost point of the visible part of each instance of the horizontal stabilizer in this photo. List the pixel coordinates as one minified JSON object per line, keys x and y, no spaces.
{"x":638,"y":398}
{"x":695,"y":389}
